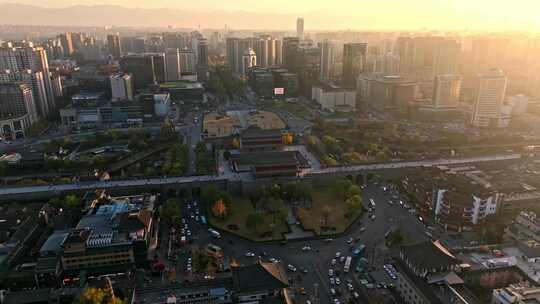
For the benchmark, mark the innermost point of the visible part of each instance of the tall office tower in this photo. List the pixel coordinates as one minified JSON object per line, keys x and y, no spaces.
{"x":260,"y":46}
{"x":202,"y":63}
{"x":17,"y":110}
{"x":236,"y":48}
{"x":404,"y":48}
{"x":387,"y":64}
{"x":145,"y":69}
{"x":139,"y":45}
{"x":300,"y":28}
{"x":290,"y":45}
{"x":188,"y":61}
{"x":446,"y":90}
{"x":354,"y":60}
{"x":35,"y":81}
{"x":488,"y":53}
{"x":278,"y":58}
{"x":249,"y":59}
{"x":113,"y":43}
{"x":447,"y":52}
{"x":127,"y":44}
{"x":172,"y":62}
{"x":77,"y":40}
{"x":121,"y":87}
{"x":67,"y":43}
{"x":489,"y":98}
{"x":34,"y":59}
{"x":195,"y":38}
{"x":57,"y":85}
{"x":327,"y":59}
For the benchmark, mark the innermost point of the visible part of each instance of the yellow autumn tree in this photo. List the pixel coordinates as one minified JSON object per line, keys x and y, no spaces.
{"x":287,"y":139}
{"x":219,"y":209}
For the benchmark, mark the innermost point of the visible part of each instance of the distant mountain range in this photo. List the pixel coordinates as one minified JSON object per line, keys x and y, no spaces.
{"x":101,"y":15}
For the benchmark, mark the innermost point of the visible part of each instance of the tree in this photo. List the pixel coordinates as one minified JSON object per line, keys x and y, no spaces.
{"x":72,"y":202}
{"x":341,"y":186}
{"x":326,"y":211}
{"x":352,"y":191}
{"x":282,"y":215}
{"x":254,"y":221}
{"x":353,"y":204}
{"x":3,"y":168}
{"x":227,"y":155}
{"x":209,"y":195}
{"x":171,"y":211}
{"x":98,"y":296}
{"x":219,"y":209}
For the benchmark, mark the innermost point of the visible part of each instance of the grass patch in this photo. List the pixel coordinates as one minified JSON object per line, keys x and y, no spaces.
{"x":314,"y":217}
{"x":240,"y":208}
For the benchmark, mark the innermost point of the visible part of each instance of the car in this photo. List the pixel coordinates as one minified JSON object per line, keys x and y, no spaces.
{"x":350,"y":287}
{"x":362,"y":229}
{"x":333,"y":262}
{"x":304,"y":270}
{"x":250,"y":254}
{"x":291,"y":268}
{"x":338,"y":254}
{"x":274,"y":260}
{"x":330,"y":272}
{"x":373,"y":217}
{"x":390,"y":202}
{"x":356,"y":295}
{"x":332,"y":281}
{"x":302,"y":291}
{"x":338,"y":281}
{"x":421,"y":219}
{"x":350,"y":241}
{"x":306,"y":248}
{"x":342,"y":259}
{"x":333,"y":291}
{"x":328,"y":240}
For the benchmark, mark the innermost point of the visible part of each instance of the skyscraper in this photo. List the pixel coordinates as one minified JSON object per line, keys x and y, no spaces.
{"x":188,"y":61}
{"x":236,"y":48}
{"x":67,"y":43}
{"x":17,"y":110}
{"x":202,"y":63}
{"x":172,"y":62}
{"x":34,"y":59}
{"x":300,"y":28}
{"x":249,"y":59}
{"x":145,"y":69}
{"x":327,"y":59}
{"x":489,"y":98}
{"x":354,"y":59}
{"x":121,"y":87}
{"x":446,"y":90}
{"x":113,"y":43}
{"x":35,"y":81}
{"x":278,"y":58}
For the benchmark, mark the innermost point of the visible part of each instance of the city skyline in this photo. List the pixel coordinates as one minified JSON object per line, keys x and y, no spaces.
{"x":480,"y":15}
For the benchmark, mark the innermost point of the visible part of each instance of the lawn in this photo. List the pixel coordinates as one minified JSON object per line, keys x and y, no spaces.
{"x":240,"y":209}
{"x":313,"y":218}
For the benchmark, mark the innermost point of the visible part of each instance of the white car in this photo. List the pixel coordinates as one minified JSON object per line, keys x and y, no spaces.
{"x":250,"y":254}
{"x":330,"y":272}
{"x":342,"y":259}
{"x":291,"y":268}
{"x":306,"y":248}
{"x":350,"y":287}
{"x":332,"y":281}
{"x":333,"y":262}
{"x":333,"y":291}
{"x":274,"y":260}
{"x":338,"y":281}
{"x":350,"y":241}
{"x":338,"y":254}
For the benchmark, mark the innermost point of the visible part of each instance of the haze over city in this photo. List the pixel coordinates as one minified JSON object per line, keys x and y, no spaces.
{"x":269,"y":152}
{"x":476,"y":15}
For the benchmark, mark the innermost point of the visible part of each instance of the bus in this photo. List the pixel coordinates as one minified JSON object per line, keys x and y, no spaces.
{"x":358,"y":250}
{"x":372,"y":203}
{"x":347,"y":266}
{"x":214,"y":233}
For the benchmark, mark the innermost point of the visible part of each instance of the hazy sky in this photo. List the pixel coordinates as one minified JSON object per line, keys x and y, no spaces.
{"x":342,"y":14}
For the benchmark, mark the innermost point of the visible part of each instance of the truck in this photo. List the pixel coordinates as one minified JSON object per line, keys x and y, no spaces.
{"x":214,"y":233}
{"x":358,"y":250}
{"x":347,"y":265}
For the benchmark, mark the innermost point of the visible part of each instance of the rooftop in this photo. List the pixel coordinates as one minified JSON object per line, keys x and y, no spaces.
{"x":259,"y":276}
{"x":252,"y":133}
{"x":265,"y":158}
{"x":429,"y":255}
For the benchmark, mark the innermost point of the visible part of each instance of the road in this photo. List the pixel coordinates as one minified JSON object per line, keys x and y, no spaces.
{"x":236,"y":177}
{"x":193,"y":137}
{"x":317,"y":261}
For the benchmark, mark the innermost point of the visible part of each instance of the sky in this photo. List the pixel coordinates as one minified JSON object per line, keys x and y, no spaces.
{"x":494,"y":15}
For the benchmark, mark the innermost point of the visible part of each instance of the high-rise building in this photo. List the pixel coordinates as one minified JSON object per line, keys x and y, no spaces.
{"x":35,"y":81}
{"x":447,"y":52}
{"x":488,"y":53}
{"x":261,"y":51}
{"x":34,"y":59}
{"x":327,"y":59}
{"x":121,"y":87}
{"x":172,"y":62}
{"x":300,"y":28}
{"x":202,"y":63}
{"x":17,"y":110}
{"x":489,"y":98}
{"x":290,"y":46}
{"x":67,"y":43}
{"x":139,"y":45}
{"x":354,"y":60}
{"x":249,"y":59}
{"x":236,"y":48}
{"x":446,"y":90}
{"x":278,"y":58}
{"x":113,"y":43}
{"x":145,"y":69}
{"x":188,"y":61}
{"x":386,"y":65}
{"x":404,"y":48}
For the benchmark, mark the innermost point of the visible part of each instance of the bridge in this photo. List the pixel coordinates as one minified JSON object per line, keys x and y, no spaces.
{"x":9,"y":192}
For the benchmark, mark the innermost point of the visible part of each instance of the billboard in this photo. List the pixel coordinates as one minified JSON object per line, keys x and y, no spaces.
{"x":279,"y":91}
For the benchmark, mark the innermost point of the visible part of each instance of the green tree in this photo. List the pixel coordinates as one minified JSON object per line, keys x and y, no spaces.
{"x":72,"y":201}
{"x":254,"y":221}
{"x":352,"y":191}
{"x":341,"y":186}
{"x":171,"y":211}
{"x":3,"y":168}
{"x":326,"y":211}
{"x":353,"y":205}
